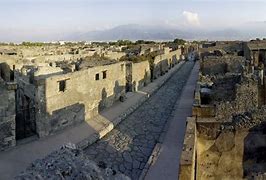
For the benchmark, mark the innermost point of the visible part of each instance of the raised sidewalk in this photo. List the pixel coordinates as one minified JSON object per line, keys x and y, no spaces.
{"x":15,"y":160}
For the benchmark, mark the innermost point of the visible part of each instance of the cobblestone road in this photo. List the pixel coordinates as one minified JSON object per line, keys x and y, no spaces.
{"x":128,"y":146}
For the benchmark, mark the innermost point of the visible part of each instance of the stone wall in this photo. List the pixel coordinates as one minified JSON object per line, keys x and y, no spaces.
{"x":243,"y":102}
{"x":232,"y":150}
{"x":225,"y":150}
{"x":51,"y":58}
{"x":203,"y":111}
{"x":220,"y":153}
{"x":214,"y":65}
{"x":69,"y":57}
{"x":229,"y":112}
{"x":163,"y":62}
{"x":85,"y":93}
{"x":187,"y":168}
{"x":160,"y":68}
{"x":7,"y":115}
{"x":141,"y":75}
{"x":114,"y":55}
{"x":230,"y":95}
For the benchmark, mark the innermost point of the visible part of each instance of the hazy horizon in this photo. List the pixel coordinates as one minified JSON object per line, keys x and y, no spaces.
{"x":48,"y":20}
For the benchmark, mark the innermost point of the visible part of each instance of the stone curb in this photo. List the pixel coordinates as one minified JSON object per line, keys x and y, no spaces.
{"x":110,"y":126}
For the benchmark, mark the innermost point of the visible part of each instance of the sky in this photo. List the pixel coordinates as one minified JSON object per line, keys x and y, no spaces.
{"x":47,"y":19}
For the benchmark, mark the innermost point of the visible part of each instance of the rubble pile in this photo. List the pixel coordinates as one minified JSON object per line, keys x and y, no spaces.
{"x":69,"y":163}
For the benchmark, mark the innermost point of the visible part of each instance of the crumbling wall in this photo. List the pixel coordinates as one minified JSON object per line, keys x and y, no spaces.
{"x":7,"y":116}
{"x":85,"y":93}
{"x":246,"y":98}
{"x":232,"y":150}
{"x":214,"y":65}
{"x":231,"y":143}
{"x":141,"y":75}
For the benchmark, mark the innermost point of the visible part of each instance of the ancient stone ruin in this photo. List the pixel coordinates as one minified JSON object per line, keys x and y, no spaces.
{"x":225,"y":137}
{"x":52,"y":87}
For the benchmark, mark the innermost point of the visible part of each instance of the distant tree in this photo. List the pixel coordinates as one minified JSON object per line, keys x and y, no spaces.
{"x":179,"y":41}
{"x":139,"y":42}
{"x":124,"y":42}
{"x":33,"y":43}
{"x":112,"y":43}
{"x":144,"y":42}
{"x":100,"y":43}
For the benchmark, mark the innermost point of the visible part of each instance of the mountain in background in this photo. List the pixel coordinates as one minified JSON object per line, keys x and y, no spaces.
{"x":136,"y":32}
{"x":245,"y":31}
{"x":131,"y":32}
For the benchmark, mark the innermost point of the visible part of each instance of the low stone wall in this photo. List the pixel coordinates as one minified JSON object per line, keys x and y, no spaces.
{"x":210,"y":152}
{"x":203,"y":111}
{"x":187,"y":163}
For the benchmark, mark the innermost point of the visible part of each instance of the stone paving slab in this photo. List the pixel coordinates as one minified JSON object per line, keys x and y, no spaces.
{"x":15,"y":160}
{"x":164,"y":161}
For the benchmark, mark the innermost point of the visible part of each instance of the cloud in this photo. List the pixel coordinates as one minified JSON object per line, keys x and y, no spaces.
{"x":191,"y":18}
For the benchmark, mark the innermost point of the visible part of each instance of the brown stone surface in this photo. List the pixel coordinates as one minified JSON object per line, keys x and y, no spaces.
{"x":225,"y":141}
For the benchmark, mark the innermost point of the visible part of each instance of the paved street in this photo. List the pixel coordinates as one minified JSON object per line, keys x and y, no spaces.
{"x":170,"y":149}
{"x":128,"y":146}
